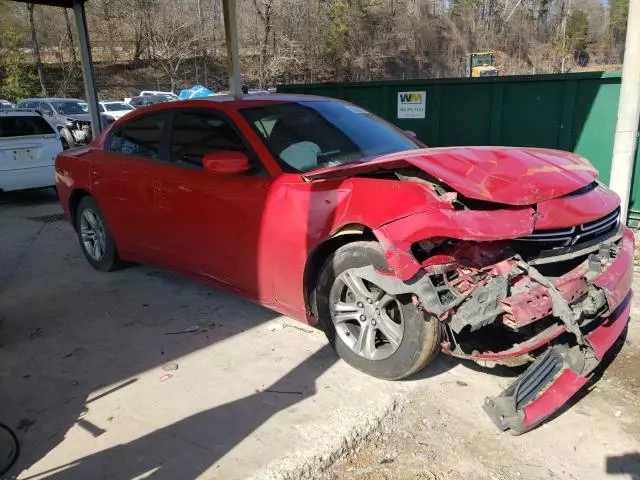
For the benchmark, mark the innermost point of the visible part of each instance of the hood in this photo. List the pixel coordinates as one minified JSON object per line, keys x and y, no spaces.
{"x":82,"y":117}
{"x":507,"y":175}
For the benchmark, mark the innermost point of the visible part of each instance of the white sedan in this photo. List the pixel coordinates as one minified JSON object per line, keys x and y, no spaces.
{"x":28,"y":148}
{"x":115,"y":110}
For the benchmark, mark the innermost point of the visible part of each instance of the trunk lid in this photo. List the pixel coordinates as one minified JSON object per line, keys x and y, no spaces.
{"x":27,"y":141}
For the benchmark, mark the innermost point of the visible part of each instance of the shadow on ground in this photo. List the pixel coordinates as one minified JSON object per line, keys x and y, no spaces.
{"x":72,"y":339}
{"x":217,"y":431}
{"x":627,"y":464}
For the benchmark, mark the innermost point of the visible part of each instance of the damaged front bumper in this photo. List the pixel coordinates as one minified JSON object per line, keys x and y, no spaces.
{"x":472,"y":289}
{"x":555,"y":376}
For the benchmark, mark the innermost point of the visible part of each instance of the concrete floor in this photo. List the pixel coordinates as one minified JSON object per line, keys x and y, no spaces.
{"x":100,"y":383}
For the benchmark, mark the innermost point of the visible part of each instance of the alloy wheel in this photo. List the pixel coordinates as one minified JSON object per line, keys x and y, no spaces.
{"x":367,"y":319}
{"x":93,"y":234}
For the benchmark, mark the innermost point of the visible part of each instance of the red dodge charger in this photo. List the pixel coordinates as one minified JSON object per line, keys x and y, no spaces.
{"x":320,"y":210}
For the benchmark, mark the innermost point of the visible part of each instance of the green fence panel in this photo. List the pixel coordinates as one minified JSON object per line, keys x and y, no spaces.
{"x":594,"y":122}
{"x":532,"y":115}
{"x":574,"y":112}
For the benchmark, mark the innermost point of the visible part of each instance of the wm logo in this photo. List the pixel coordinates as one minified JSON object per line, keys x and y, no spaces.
{"x":410,"y":98}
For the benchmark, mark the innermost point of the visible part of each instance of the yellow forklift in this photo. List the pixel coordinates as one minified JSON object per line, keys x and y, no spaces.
{"x":480,"y":64}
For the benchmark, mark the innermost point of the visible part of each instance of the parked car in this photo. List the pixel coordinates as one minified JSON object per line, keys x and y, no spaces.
{"x":70,"y":116}
{"x":6,"y":104}
{"x":326,"y":213}
{"x":28,"y":147}
{"x":145,"y":93}
{"x":114,"y":109}
{"x":145,"y":101}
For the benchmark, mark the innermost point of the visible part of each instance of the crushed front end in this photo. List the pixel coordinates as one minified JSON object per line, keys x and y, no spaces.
{"x":505,"y":290}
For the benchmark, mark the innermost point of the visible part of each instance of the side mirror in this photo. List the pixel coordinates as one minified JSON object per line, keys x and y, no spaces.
{"x":411,"y":134}
{"x":226,"y":162}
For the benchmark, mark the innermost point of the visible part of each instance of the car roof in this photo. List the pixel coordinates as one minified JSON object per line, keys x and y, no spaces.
{"x":250,"y":100}
{"x":112,"y":101}
{"x":266,"y":97}
{"x":51,"y":99}
{"x":226,"y":101}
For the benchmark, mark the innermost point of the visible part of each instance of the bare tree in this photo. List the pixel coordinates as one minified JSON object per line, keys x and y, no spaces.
{"x":36,"y":49}
{"x":318,"y":40}
{"x":264,"y":9}
{"x":72,"y":47}
{"x":172,"y":43}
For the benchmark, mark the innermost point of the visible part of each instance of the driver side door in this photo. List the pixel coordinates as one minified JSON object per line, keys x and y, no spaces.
{"x":212,"y":221}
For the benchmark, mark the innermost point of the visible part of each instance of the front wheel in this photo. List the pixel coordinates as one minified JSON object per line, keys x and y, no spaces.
{"x":381,"y":334}
{"x":67,"y":138}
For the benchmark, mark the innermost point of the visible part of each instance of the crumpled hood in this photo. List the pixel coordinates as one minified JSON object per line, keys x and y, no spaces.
{"x":507,"y":175}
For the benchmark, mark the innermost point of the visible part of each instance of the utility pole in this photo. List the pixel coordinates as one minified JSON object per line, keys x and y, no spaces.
{"x":626,"y":139}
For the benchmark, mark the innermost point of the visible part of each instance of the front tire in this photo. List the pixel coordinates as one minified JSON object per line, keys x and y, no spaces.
{"x":94,"y":236}
{"x":67,"y":138}
{"x":380,"y":334}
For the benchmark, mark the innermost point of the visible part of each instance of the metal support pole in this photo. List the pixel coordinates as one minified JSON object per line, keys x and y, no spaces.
{"x":233,"y":55}
{"x":87,"y":66}
{"x":626,"y":140}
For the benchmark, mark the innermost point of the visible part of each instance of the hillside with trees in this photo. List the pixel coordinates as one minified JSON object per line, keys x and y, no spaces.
{"x":162,"y":44}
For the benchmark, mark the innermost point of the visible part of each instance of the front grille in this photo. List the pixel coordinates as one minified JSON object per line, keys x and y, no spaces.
{"x":566,"y":237}
{"x":564,"y":240}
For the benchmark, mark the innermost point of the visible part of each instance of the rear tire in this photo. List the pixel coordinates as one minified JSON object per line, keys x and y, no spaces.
{"x":401,"y":341}
{"x":95,"y":239}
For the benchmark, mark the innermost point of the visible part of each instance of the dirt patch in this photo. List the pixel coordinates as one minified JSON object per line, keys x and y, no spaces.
{"x":448,"y":443}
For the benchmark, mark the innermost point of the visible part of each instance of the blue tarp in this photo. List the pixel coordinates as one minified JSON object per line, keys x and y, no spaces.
{"x":196,"y":91}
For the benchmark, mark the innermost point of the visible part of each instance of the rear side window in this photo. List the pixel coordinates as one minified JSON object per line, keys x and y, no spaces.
{"x":198,"y":132}
{"x":141,"y":137}
{"x":22,"y":126}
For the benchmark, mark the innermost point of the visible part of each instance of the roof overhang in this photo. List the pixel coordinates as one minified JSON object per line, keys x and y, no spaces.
{"x":52,"y":3}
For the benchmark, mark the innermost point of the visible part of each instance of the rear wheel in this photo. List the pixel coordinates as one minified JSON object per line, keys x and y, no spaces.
{"x":381,"y":334}
{"x":96,"y":241}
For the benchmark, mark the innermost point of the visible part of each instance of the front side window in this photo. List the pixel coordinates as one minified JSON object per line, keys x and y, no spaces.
{"x":307,"y":135}
{"x":141,"y":137}
{"x":70,"y":107}
{"x":198,"y":132}
{"x":23,"y":126}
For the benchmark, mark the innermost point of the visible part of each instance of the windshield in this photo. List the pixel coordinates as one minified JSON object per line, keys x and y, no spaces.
{"x":70,"y":107}
{"x":482,"y":60}
{"x":116,"y":107}
{"x":307,"y":135}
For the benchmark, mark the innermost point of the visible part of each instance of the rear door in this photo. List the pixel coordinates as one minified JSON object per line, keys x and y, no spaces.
{"x":28,"y":148}
{"x":122,"y":181}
